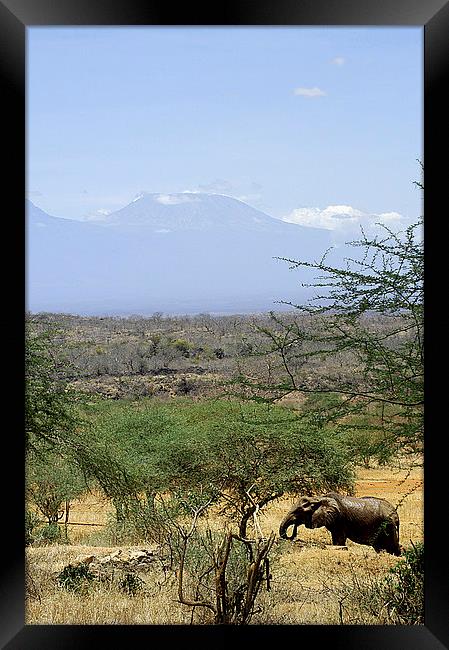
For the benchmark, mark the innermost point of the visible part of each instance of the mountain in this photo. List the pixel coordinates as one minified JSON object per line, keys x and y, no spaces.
{"x":177,"y":253}
{"x":188,"y":211}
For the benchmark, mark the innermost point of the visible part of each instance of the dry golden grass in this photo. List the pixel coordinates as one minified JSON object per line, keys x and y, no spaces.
{"x":102,"y":604}
{"x":309,"y":577}
{"x":93,"y":509}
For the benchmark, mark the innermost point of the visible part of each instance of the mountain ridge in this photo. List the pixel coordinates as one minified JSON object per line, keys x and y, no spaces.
{"x":187,"y":211}
{"x":221,"y":253}
{"x":192,"y":211}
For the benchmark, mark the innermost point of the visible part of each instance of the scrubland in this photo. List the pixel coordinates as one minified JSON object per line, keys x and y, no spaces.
{"x":123,"y":367}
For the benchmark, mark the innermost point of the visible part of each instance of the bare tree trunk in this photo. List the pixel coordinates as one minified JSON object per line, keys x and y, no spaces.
{"x":66,"y":520}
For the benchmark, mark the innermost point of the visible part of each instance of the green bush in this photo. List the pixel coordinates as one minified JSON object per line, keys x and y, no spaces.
{"x":181,"y":345}
{"x":41,"y":534}
{"x":76,"y":577}
{"x":131,"y":584}
{"x":49,"y":534}
{"x":404,"y":588}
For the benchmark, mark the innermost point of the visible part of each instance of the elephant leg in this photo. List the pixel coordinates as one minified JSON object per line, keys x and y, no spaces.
{"x":338,"y":538}
{"x":388,"y":540}
{"x":392,"y":546}
{"x":396,"y":545}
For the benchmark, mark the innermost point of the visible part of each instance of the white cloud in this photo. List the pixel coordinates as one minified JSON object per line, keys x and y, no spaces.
{"x":342,"y":212}
{"x":309,"y":92}
{"x":343,"y":218}
{"x":331,"y":218}
{"x":174,"y":199}
{"x":338,"y":60}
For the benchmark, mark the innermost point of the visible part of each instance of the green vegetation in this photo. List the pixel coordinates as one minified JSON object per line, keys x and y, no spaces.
{"x":131,"y":584}
{"x":52,"y":482}
{"x":397,"y":598}
{"x":49,"y":414}
{"x":404,"y":588}
{"x":77,"y":578}
{"x":237,"y":454}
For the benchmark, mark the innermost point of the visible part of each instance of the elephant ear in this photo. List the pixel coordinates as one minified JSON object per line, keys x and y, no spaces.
{"x":326,"y":513}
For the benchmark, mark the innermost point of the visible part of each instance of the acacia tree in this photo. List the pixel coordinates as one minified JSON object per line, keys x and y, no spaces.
{"x":51,"y":484}
{"x":55,"y":431}
{"x":257,"y":457}
{"x":49,"y":417}
{"x":367,"y":317}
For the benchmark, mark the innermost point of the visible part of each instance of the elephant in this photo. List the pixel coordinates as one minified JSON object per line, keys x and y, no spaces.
{"x":365,"y":520}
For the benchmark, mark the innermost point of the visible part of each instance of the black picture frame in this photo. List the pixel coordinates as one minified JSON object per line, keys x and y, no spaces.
{"x":433,"y":16}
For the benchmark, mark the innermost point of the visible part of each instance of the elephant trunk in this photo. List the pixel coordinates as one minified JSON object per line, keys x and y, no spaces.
{"x":285,"y":524}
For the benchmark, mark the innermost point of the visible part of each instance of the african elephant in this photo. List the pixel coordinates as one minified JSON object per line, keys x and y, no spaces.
{"x":365,"y":520}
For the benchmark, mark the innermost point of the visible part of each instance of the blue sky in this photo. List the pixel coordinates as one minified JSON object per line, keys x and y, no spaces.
{"x":294,"y":121}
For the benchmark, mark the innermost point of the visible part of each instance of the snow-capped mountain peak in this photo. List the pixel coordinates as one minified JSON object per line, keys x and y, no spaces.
{"x":191,"y":211}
